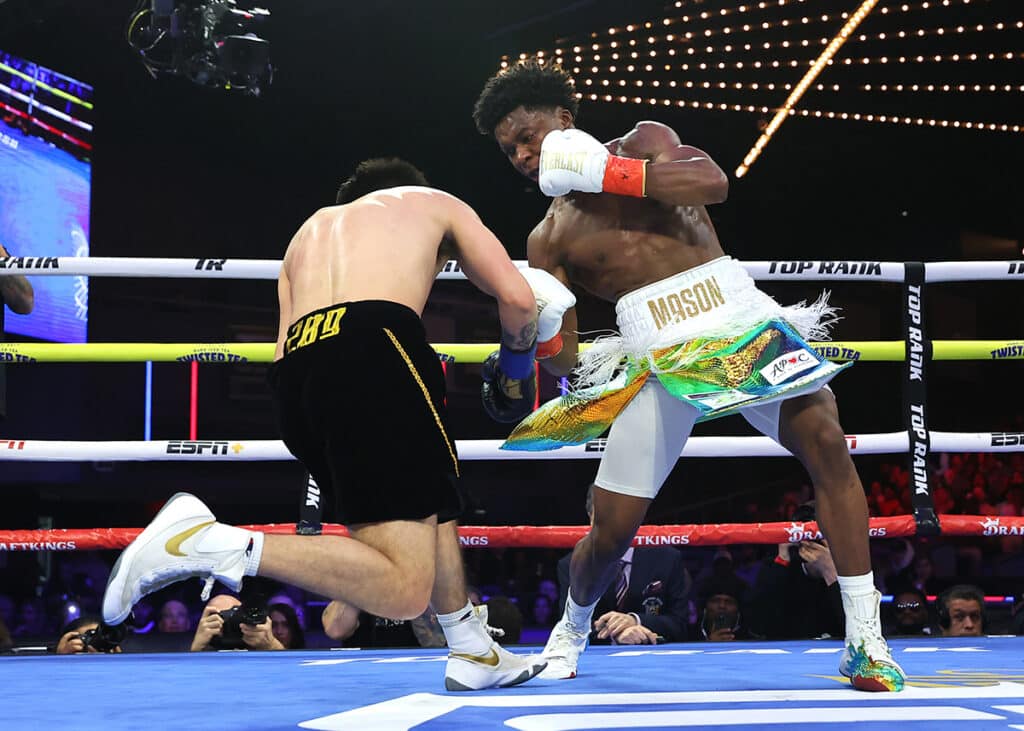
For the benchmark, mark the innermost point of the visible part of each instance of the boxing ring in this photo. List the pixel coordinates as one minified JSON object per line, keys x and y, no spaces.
{"x":971,"y":682}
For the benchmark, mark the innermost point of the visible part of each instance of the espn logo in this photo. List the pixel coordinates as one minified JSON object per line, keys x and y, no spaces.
{"x":1008,"y":439}
{"x":184,"y":446}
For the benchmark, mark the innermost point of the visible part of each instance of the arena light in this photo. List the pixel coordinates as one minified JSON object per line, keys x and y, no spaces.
{"x":786,"y":44}
{"x":914,"y":121}
{"x":953,"y":57}
{"x":943,"y":88}
{"x":801,"y":87}
{"x":820,"y":114}
{"x":769,"y":24}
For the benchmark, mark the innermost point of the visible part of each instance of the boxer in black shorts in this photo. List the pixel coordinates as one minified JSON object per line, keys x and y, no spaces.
{"x":360,"y":400}
{"x":359,"y":397}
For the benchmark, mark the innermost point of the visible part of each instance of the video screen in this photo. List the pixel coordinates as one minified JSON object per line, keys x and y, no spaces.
{"x":46,"y":131}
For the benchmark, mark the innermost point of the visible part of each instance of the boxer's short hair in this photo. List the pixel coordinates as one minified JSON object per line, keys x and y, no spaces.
{"x":377,"y":174}
{"x":527,"y":84}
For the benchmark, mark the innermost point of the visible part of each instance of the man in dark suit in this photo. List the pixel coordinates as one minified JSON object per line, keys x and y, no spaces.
{"x":646,"y":603}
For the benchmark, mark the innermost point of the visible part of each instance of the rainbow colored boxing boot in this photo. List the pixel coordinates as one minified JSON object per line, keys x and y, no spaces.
{"x":866,"y":660}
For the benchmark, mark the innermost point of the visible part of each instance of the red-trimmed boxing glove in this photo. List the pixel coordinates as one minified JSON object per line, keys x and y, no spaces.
{"x":570,"y":159}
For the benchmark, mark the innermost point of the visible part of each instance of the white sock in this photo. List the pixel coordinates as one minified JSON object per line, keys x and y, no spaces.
{"x":464,"y":631}
{"x":222,"y":537}
{"x":255,"y":554}
{"x":578,"y":617}
{"x":859,"y":600}
{"x":857,"y":585}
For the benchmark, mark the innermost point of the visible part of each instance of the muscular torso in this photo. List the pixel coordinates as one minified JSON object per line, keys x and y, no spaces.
{"x":611,"y":244}
{"x":385,"y":246}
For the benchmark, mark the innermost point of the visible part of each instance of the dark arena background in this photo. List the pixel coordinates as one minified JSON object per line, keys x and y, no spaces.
{"x":888,"y":174}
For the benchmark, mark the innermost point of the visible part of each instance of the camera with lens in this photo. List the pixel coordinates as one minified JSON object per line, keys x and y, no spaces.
{"x":804,"y":513}
{"x":212,"y":42}
{"x":103,"y":638}
{"x":231,"y":633}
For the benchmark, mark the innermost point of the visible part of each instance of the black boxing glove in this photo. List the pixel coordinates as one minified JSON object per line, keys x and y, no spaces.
{"x":508,"y":399}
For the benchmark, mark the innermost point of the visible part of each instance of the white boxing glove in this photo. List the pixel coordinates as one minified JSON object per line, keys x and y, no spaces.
{"x":570,"y":159}
{"x":553,"y":300}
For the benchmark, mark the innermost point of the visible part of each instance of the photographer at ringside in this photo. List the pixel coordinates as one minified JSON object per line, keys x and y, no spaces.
{"x":228,"y":624}
{"x":797,"y":595}
{"x":89,"y":635}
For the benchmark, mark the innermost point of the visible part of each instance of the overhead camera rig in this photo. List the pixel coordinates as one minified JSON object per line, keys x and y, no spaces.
{"x":211,"y":42}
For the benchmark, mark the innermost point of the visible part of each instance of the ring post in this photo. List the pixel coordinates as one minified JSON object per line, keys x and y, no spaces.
{"x":915,"y":398}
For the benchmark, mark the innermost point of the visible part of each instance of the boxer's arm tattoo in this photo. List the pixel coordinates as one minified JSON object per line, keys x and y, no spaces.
{"x":524,"y":340}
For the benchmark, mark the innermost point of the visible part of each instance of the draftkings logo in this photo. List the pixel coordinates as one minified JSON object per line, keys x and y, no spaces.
{"x":801,"y":532}
{"x":38,"y":546}
{"x":472,"y":541}
{"x":992,"y":527}
{"x":683,"y":540}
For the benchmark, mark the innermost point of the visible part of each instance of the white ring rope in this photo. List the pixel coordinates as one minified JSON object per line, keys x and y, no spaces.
{"x":266,"y":450}
{"x":791,"y":270}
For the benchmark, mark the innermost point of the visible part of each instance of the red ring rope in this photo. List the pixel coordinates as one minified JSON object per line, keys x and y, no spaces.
{"x":525,"y":536}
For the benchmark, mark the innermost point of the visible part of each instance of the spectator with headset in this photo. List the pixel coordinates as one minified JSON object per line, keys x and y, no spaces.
{"x":962,"y":611}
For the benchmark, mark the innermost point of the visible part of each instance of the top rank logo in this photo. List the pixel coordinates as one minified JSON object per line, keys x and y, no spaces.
{"x":851,"y":268}
{"x":30,"y":262}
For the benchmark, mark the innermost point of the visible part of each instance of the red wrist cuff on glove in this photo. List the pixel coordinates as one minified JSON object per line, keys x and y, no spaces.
{"x":625,"y":176}
{"x":549,"y":348}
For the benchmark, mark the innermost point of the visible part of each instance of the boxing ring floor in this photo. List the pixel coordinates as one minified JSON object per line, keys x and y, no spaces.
{"x":967,"y":684}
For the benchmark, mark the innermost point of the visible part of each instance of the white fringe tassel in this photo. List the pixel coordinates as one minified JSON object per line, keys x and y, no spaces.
{"x":599,"y":364}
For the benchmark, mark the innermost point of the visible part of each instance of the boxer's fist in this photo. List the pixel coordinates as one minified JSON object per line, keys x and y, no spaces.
{"x":506,"y":399}
{"x":553,"y":299}
{"x":570,"y":159}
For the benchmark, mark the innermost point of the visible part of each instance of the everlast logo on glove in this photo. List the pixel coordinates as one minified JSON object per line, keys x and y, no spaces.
{"x":571,"y":161}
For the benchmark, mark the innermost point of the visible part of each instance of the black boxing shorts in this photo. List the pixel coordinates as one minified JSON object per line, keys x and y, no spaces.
{"x":359,"y":400}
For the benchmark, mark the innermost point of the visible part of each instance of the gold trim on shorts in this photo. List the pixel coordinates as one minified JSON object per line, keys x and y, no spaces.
{"x":426,"y":396}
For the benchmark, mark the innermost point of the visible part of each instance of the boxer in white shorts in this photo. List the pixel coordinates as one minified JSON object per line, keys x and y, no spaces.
{"x":628,"y":224}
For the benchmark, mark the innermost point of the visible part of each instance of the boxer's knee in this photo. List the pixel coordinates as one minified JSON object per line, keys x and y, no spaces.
{"x":411,"y":597}
{"x":615,"y":520}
